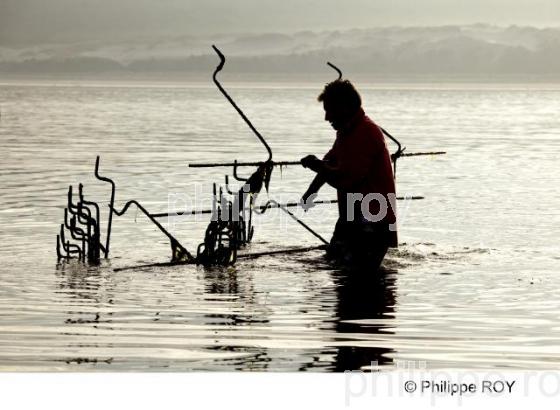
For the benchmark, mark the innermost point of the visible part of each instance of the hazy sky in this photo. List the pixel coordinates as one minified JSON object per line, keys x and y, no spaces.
{"x":27,"y":22}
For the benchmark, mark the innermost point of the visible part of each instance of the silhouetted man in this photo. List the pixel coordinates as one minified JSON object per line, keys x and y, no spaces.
{"x":358,"y":166}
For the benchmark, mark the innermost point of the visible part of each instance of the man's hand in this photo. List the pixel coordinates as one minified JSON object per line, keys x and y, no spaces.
{"x":308,"y":201}
{"x":312,"y":162}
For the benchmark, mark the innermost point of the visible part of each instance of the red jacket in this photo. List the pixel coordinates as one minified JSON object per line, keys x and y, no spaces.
{"x":359,"y":162}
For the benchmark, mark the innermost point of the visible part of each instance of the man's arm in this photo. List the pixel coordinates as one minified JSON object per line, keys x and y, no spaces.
{"x":311,"y":161}
{"x":314,"y":187}
{"x":352,"y":163}
{"x":325,"y":174}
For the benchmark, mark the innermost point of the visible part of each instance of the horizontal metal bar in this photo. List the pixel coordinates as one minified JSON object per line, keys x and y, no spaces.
{"x":281,"y":252}
{"x":418,"y":154}
{"x":242,"y":164}
{"x":180,"y":213}
{"x":242,"y":256}
{"x":285,"y":163}
{"x":155,"y":265}
{"x":264,"y":207}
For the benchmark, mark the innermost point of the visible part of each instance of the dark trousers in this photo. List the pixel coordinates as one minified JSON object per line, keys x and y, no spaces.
{"x":359,"y":243}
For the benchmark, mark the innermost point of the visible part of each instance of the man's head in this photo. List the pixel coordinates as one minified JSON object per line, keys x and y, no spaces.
{"x":341,"y":102}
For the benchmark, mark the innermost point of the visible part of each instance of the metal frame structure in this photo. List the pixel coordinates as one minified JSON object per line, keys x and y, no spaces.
{"x":231,"y":223}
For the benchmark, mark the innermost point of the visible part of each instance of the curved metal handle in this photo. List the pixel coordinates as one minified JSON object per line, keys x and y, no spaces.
{"x":127,"y":205}
{"x":224,"y":92}
{"x":78,"y":209}
{"x":111,"y":205}
{"x":331,"y":65}
{"x":400,"y":149}
{"x":77,"y":233}
{"x":395,"y":156}
{"x":84,"y":204}
{"x":235,"y":175}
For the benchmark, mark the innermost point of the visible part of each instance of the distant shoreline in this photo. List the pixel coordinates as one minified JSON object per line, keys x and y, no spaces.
{"x":259,"y":80}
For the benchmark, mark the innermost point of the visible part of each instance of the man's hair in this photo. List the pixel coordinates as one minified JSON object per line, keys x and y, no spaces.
{"x":341,"y":92}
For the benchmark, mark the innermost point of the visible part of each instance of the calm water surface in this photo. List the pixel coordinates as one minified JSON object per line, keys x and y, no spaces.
{"x":473,"y":285}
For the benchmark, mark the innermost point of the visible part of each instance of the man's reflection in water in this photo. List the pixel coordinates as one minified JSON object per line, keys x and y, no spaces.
{"x":363,"y":296}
